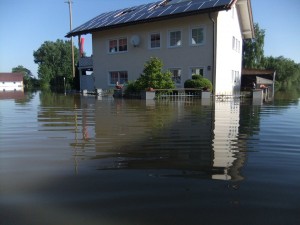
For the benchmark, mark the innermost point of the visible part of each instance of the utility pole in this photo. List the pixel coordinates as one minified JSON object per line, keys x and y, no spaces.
{"x":72,"y":45}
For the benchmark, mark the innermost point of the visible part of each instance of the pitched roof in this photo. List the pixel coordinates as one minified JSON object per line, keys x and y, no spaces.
{"x":11,"y":77}
{"x":160,"y":10}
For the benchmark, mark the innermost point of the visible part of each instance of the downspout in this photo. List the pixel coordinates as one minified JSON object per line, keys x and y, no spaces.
{"x":214,"y":53}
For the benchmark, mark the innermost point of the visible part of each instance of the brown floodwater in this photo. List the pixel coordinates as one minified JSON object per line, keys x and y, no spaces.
{"x":72,"y":159}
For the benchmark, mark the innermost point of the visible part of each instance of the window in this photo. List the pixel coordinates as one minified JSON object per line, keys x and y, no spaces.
{"x":233,"y":42}
{"x":236,"y":44}
{"x":118,"y":45}
{"x":118,"y":76}
{"x":123,"y":45}
{"x":197,"y":36}
{"x":198,"y":71}
{"x":175,"y":39}
{"x":113,"y":46}
{"x":235,"y":77}
{"x":176,"y":75}
{"x":155,"y":40}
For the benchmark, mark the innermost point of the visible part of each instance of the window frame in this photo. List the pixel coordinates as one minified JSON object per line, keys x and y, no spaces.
{"x":173,"y":77}
{"x":170,"y":41}
{"x":117,"y":77}
{"x":150,"y":40}
{"x":197,"y":67}
{"x":117,"y":45}
{"x":191,"y":35}
{"x":236,"y":44}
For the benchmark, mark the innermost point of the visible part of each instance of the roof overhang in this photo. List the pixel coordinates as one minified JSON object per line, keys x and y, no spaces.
{"x":244,"y":9}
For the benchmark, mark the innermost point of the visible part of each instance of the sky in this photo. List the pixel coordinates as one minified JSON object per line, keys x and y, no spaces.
{"x":26,"y":24}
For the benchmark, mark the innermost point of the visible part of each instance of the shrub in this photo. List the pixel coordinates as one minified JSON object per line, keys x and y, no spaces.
{"x":196,"y":77}
{"x":206,"y":84}
{"x":198,"y":81}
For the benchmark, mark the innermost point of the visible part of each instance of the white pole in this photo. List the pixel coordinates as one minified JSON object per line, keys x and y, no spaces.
{"x":72,"y":45}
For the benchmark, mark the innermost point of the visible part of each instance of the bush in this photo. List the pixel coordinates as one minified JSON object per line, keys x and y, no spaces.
{"x":198,"y":81}
{"x":196,"y":77}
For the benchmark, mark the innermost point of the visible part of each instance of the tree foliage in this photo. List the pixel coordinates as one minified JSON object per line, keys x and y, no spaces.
{"x":54,"y":61}
{"x":287,"y":71}
{"x":253,"y":51}
{"x":29,"y":80}
{"x":153,"y":77}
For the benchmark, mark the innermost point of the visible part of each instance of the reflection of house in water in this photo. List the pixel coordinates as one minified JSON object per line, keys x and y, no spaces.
{"x":226,"y":145}
{"x":174,"y":139}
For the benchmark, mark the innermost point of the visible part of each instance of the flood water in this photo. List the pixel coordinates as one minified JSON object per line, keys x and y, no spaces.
{"x":72,"y":160}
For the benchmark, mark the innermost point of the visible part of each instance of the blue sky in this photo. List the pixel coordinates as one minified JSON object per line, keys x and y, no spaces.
{"x":26,"y":24}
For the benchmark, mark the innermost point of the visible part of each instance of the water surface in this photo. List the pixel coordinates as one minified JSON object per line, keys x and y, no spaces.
{"x":70,"y":159}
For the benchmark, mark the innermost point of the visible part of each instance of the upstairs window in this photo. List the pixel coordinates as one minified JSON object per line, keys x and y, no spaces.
{"x":155,"y":40}
{"x":197,"y":36}
{"x":118,"y":45}
{"x":236,"y":44}
{"x":175,"y":39}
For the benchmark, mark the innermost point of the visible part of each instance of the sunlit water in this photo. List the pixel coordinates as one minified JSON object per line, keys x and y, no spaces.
{"x":82,"y":160}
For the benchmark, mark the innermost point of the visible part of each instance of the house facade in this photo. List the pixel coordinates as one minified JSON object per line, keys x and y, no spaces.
{"x":11,"y":82}
{"x":189,"y":36}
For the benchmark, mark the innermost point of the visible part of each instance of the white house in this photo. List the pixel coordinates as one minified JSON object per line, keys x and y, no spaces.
{"x":11,"y":82}
{"x":189,"y":36}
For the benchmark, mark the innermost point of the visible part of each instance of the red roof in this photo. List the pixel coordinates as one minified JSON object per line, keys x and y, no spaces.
{"x":11,"y":77}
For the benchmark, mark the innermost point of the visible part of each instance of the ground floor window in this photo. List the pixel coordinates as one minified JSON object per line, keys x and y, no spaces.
{"x":197,"y":71}
{"x":176,"y":76}
{"x":120,"y":77}
{"x":235,"y":76}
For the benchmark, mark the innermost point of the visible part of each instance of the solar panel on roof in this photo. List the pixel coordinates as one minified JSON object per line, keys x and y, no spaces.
{"x":146,"y":12}
{"x":209,"y":4}
{"x":221,"y":2}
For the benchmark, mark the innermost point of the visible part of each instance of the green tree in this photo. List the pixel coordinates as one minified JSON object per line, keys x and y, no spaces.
{"x":287,"y":71}
{"x":29,"y":81}
{"x":154,"y":77}
{"x":253,"y":50}
{"x":55,"y":62}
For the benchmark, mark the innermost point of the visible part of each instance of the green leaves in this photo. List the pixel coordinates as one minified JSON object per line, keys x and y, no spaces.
{"x":153,"y":77}
{"x":287,"y":71}
{"x":253,"y":51}
{"x":198,"y":81}
{"x":55,"y":60}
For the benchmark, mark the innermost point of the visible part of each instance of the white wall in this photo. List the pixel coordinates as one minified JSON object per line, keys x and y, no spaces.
{"x":133,"y":61}
{"x":11,"y":86}
{"x":227,"y":59}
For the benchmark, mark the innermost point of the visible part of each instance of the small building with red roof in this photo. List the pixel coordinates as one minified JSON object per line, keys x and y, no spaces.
{"x":11,"y":82}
